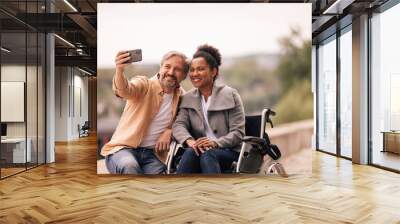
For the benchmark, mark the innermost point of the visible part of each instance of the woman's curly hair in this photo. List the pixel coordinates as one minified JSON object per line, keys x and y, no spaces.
{"x":210,"y":54}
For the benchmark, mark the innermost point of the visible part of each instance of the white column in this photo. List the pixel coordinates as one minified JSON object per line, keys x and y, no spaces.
{"x":50,"y":100}
{"x":360,"y":90}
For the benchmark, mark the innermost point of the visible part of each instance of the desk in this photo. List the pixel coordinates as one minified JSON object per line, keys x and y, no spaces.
{"x":391,"y":141}
{"x":13,"y":150}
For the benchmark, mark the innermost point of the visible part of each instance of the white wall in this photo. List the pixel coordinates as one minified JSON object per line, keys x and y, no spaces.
{"x":70,"y":83}
{"x":61,"y":103}
{"x":14,"y":73}
{"x":17,"y":73}
{"x":81,"y":101}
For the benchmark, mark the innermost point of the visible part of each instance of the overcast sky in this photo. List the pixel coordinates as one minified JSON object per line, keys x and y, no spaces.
{"x":234,"y":28}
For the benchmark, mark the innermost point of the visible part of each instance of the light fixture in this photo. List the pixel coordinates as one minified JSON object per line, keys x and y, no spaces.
{"x":70,"y":5}
{"x":65,"y":41}
{"x":84,"y":71}
{"x":5,"y":50}
{"x":80,"y":51}
{"x":337,"y":7}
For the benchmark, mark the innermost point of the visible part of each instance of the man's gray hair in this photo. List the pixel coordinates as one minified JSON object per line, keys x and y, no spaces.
{"x":178,"y":54}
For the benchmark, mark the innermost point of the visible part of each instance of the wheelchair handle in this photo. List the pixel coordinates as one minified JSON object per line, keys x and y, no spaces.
{"x":267,"y":113}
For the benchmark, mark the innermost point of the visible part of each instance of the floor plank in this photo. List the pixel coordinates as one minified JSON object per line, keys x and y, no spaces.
{"x":70,"y":191}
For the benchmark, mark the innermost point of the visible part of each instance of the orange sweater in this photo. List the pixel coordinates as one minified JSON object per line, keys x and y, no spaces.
{"x":143,"y":100}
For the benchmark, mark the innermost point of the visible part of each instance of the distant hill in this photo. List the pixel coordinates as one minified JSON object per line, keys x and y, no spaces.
{"x":264,"y":61}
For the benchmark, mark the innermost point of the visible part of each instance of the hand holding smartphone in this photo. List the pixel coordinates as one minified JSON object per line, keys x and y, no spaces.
{"x":136,"y":55}
{"x":124,"y":58}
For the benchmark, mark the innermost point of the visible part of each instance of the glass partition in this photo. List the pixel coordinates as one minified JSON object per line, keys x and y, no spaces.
{"x":31,"y":99}
{"x":14,"y":154}
{"x":22,"y":88}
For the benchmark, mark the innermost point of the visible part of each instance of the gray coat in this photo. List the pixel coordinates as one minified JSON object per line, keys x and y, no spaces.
{"x":225,"y":117}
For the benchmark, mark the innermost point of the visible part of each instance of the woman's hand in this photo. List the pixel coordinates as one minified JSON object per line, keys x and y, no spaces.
{"x":204,"y":144}
{"x":201,"y":145}
{"x":191,"y":143}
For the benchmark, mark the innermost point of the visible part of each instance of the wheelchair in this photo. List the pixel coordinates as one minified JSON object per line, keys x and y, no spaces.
{"x":256,"y":145}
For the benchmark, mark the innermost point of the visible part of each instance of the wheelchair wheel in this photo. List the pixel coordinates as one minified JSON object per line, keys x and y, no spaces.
{"x":251,"y":161}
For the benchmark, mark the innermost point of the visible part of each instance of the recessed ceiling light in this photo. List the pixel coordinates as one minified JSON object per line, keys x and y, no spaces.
{"x":64,"y":40}
{"x":70,"y":5}
{"x":84,"y":71}
{"x":5,"y":50}
{"x":337,"y":7}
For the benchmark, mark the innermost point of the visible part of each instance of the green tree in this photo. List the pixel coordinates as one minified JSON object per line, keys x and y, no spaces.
{"x":296,"y":104}
{"x":294,"y":72}
{"x":295,"y":64}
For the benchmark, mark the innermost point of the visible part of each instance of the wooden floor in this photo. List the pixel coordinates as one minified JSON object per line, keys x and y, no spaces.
{"x":70,"y":191}
{"x":387,"y":159}
{"x":10,"y":171}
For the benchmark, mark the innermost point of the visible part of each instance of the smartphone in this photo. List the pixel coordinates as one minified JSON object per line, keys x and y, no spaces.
{"x":136,"y":55}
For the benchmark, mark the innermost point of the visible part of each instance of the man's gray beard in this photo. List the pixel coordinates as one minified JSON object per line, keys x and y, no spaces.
{"x":168,"y":85}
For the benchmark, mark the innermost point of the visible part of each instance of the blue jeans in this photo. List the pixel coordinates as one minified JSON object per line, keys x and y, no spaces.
{"x":213,"y":161}
{"x":134,"y":161}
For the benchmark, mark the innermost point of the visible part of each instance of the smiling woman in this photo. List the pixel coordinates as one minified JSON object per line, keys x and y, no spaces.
{"x":220,"y":113}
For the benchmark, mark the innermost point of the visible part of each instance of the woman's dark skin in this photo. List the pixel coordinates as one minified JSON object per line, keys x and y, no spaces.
{"x":202,"y":77}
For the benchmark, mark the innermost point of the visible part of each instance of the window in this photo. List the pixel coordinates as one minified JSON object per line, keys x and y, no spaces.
{"x":385,"y":88}
{"x":327,"y":95}
{"x":346,"y":92}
